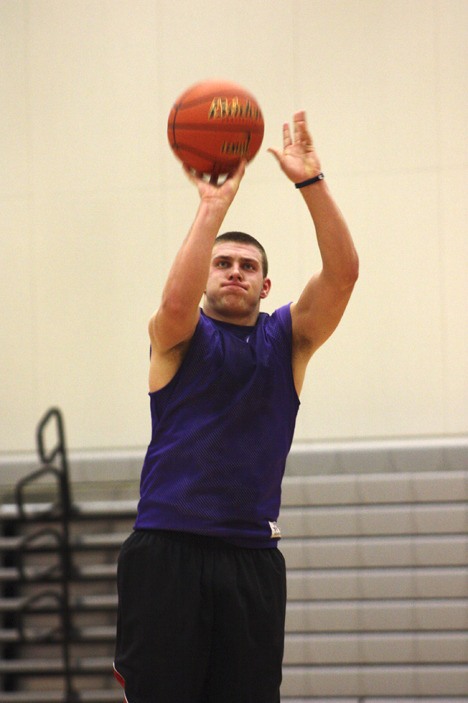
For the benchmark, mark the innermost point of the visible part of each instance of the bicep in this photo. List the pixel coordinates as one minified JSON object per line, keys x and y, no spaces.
{"x":169,"y":330}
{"x":170,"y":338}
{"x":318,"y":312}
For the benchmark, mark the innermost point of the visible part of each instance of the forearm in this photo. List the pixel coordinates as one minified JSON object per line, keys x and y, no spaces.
{"x":175,"y":320}
{"x":189,"y":272}
{"x":339,"y":257}
{"x":187,"y":278}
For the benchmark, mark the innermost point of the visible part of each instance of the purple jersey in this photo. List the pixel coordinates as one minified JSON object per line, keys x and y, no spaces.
{"x":221,"y":432}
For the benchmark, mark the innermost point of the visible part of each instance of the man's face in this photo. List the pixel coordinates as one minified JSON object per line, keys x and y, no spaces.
{"x":235,"y":283}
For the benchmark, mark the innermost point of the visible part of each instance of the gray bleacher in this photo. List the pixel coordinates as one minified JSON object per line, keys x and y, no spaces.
{"x":377,"y":590}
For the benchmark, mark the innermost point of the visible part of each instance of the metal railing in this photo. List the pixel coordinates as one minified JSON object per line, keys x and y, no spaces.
{"x":54,"y":463}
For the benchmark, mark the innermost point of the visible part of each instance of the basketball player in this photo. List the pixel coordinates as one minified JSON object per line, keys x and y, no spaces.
{"x":202,"y":587}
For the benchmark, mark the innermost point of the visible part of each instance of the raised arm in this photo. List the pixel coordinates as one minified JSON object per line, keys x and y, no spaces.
{"x":173,"y":324}
{"x":324,"y":299}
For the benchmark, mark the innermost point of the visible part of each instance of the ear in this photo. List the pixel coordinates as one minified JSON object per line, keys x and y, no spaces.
{"x":266,"y":288}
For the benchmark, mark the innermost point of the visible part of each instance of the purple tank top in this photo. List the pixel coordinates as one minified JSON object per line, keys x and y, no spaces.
{"x":221,"y":432}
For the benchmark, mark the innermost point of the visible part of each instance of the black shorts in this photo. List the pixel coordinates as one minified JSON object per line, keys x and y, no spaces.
{"x":199,"y":620}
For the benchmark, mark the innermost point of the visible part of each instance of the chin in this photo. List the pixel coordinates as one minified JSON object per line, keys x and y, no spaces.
{"x":231,"y":308}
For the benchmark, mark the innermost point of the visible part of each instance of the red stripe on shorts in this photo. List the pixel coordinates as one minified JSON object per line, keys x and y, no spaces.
{"x":119,"y":677}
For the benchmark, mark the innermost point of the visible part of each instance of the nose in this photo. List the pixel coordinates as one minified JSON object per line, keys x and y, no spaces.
{"x":235,"y":273}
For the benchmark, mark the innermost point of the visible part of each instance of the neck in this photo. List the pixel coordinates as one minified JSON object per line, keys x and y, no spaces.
{"x":245,"y":319}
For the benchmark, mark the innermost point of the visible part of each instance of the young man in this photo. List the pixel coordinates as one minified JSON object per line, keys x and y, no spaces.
{"x":202,"y":588}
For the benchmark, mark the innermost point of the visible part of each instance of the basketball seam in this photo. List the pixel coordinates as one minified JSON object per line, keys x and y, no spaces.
{"x":218,"y":127}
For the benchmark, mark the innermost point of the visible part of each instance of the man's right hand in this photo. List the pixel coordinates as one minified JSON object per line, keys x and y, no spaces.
{"x":225,"y":191}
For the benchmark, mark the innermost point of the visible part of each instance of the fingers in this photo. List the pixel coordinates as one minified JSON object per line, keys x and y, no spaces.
{"x":191,"y":174}
{"x":287,"y":141}
{"x":237,"y":175}
{"x":301,"y":132}
{"x":240,"y":170}
{"x":215,"y":179}
{"x":300,"y":116}
{"x":276,"y":153}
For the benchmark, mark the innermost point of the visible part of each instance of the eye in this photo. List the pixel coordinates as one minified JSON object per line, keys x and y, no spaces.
{"x":221,"y":264}
{"x":249,"y":266}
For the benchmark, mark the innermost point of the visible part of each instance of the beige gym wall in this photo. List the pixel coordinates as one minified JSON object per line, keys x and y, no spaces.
{"x":93,"y":205}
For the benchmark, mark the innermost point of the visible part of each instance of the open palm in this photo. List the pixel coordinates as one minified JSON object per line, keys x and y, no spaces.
{"x":298,"y":158}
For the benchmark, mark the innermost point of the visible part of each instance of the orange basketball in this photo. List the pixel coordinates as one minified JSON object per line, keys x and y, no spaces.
{"x":213,"y":125}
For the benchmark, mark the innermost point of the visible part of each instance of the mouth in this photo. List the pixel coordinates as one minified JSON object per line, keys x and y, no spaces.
{"x":234,"y":285}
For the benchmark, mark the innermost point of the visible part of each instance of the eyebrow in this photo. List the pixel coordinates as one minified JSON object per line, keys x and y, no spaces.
{"x":244,"y":259}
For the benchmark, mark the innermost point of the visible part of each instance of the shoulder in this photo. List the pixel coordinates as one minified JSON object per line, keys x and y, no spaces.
{"x":279,"y":324}
{"x":164,"y":365}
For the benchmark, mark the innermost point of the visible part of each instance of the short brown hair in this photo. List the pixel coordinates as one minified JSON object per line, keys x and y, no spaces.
{"x":244,"y":238}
